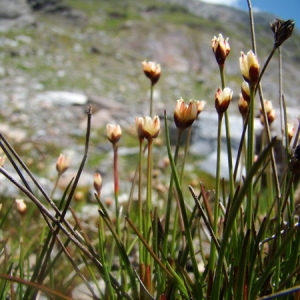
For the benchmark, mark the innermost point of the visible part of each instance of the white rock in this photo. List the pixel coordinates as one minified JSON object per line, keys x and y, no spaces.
{"x":62,"y":98}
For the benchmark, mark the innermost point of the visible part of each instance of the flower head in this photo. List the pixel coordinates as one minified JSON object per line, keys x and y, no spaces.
{"x":282,"y":30}
{"x":147,"y":127}
{"x":243,"y":106}
{"x":270,"y":112}
{"x":201,"y":105}
{"x":62,"y":164}
{"x":2,"y":161}
{"x":245,"y":91}
{"x":152,"y":70}
{"x":249,"y":67}
{"x":97,"y":182}
{"x":290,"y":131}
{"x":114,"y":132}
{"x":220,"y":48}
{"x":21,"y":206}
{"x":185,"y":114}
{"x":222,"y":99}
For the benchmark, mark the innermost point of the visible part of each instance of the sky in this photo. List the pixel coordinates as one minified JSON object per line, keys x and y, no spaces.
{"x":284,"y":9}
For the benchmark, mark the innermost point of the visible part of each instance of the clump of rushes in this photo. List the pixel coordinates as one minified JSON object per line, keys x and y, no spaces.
{"x":147,"y":128}
{"x":153,"y":71}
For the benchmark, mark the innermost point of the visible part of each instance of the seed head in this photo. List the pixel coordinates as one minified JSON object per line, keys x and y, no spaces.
{"x":282,"y":30}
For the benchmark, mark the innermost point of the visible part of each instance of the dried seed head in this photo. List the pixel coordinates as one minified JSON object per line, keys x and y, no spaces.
{"x":282,"y":30}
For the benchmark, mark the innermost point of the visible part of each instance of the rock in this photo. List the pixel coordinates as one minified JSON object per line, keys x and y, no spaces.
{"x":62,"y":98}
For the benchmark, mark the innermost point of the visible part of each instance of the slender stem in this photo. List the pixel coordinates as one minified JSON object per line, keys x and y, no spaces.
{"x":151,"y":99}
{"x":140,"y":201}
{"x":250,"y":155}
{"x":229,"y":151}
{"x":116,"y":181}
{"x":170,"y":196}
{"x":212,"y":257}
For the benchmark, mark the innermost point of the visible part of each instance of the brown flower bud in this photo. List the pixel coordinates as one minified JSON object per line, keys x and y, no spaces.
{"x":152,"y":70}
{"x":97,"y":182}
{"x":114,"y":132}
{"x":62,"y":164}
{"x":220,"y":48}
{"x":245,"y":91}
{"x":243,"y":106}
{"x":185,"y":114}
{"x":201,"y":105}
{"x":290,"y":131}
{"x":2,"y":161}
{"x":21,"y":206}
{"x":147,"y":127}
{"x":249,"y":67}
{"x":222,"y":99}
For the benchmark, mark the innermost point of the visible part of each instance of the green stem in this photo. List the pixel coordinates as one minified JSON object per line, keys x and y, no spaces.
{"x":212,"y":257}
{"x":250,"y":155}
{"x":151,"y":99}
{"x":140,"y":201}
{"x":170,"y":197}
{"x":148,"y":221}
{"x":229,"y":152}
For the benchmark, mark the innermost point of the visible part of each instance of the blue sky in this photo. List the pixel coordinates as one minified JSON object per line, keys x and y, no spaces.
{"x":285,"y":9}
